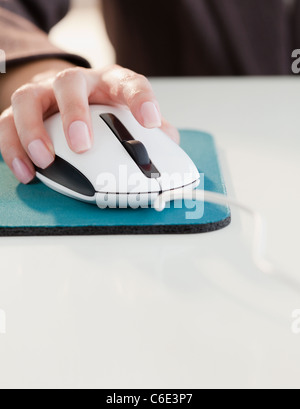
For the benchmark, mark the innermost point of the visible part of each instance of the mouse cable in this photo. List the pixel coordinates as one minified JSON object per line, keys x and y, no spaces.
{"x":260,"y":230}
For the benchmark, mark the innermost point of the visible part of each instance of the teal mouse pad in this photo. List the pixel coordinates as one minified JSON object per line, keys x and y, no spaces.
{"x":35,"y":210}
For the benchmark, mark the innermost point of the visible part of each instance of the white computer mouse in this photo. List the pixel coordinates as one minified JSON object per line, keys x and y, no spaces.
{"x":128,"y":165}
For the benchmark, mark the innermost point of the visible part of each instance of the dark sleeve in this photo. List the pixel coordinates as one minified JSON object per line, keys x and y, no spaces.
{"x":201,"y":37}
{"x":23,"y":31}
{"x":145,"y":34}
{"x":42,"y":13}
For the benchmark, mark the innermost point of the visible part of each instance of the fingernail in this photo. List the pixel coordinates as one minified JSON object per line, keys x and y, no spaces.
{"x":21,"y":171}
{"x":79,"y":136}
{"x":40,"y":154}
{"x":151,"y":116}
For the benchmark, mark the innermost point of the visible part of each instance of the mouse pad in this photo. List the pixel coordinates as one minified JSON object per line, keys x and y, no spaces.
{"x":35,"y":210}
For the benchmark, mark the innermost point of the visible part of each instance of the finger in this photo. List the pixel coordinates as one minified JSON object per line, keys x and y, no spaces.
{"x":170,"y":130}
{"x":29,"y":104}
{"x":71,"y":92}
{"x":12,"y":151}
{"x":117,"y":85}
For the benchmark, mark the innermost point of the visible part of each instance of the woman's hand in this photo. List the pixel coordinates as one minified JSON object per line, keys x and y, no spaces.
{"x":23,"y":138}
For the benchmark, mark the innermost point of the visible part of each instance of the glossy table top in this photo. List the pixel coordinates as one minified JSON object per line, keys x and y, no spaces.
{"x":171,"y":311}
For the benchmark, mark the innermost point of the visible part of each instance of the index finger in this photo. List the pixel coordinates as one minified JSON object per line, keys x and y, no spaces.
{"x":117,"y":85}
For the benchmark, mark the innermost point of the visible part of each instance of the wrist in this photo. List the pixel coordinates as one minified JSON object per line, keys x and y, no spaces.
{"x":26,"y":73}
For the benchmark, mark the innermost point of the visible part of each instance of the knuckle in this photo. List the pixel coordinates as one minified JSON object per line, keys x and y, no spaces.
{"x":142,"y":79}
{"x":144,"y":84}
{"x":135,"y":86}
{"x":129,"y":77}
{"x":68,"y":74}
{"x":135,"y":95}
{"x":27,"y":91}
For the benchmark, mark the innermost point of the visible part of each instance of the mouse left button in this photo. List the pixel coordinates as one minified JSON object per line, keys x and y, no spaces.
{"x":64,"y":174}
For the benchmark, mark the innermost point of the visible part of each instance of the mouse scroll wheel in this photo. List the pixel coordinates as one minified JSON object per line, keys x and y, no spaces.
{"x":138,"y":152}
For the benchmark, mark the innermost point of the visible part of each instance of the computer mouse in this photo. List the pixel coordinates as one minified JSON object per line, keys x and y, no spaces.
{"x":127,"y":166}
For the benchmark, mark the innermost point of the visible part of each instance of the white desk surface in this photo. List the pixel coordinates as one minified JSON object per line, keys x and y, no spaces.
{"x":171,"y":311}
